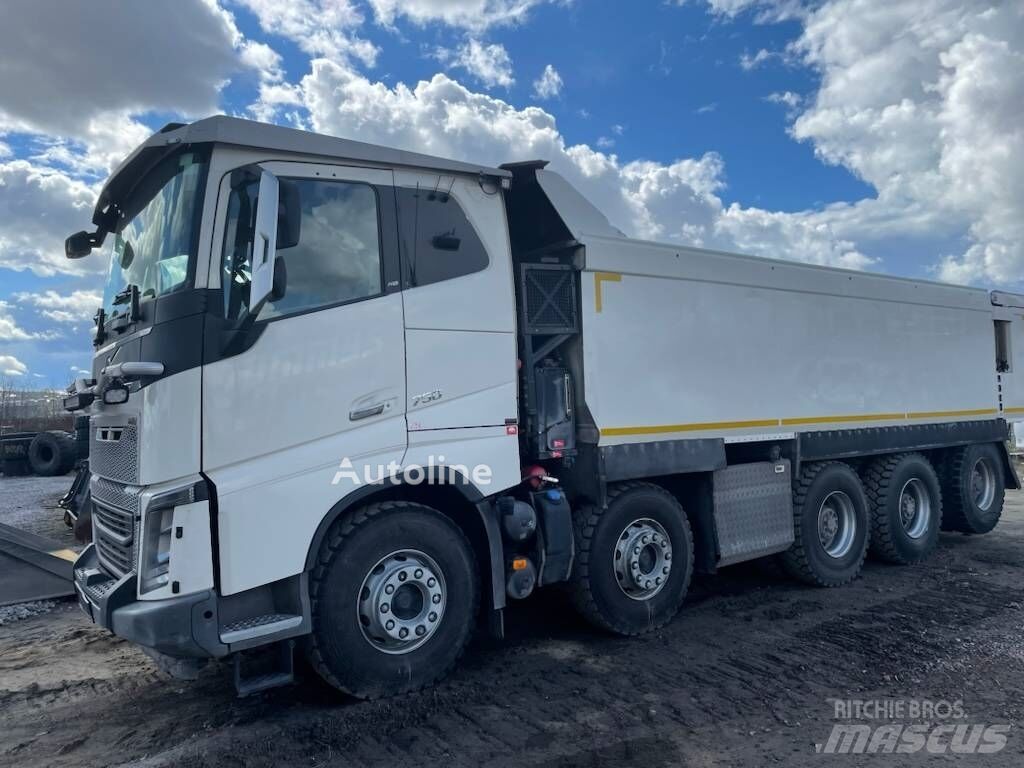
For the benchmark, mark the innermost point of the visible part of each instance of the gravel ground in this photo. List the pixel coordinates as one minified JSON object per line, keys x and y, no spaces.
{"x":748,"y":674}
{"x":30,"y":503}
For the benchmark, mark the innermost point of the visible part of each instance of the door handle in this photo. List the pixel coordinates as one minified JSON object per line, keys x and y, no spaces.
{"x":365,"y":413}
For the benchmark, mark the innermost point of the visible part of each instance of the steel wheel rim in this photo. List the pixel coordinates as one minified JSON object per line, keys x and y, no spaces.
{"x":401,"y":601}
{"x":642,"y":559}
{"x":915,"y":508}
{"x":983,"y":484}
{"x":837,"y":524}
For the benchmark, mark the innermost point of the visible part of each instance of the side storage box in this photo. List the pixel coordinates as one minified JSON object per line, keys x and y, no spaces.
{"x":753,"y":510}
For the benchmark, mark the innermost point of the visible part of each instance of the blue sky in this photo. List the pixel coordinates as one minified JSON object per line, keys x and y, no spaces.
{"x":855,"y":133}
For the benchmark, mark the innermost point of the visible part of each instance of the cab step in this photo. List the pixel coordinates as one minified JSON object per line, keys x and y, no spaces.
{"x":276,"y":668}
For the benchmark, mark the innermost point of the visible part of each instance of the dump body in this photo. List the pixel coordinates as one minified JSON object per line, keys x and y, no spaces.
{"x":679,"y":341}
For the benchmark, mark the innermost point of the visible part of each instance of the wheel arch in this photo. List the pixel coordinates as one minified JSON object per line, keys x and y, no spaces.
{"x":453,"y":495}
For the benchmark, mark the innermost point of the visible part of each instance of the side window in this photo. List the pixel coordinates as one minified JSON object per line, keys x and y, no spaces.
{"x":438,"y":240}
{"x":337,"y":258}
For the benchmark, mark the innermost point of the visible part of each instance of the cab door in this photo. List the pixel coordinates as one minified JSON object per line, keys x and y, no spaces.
{"x":307,"y":402}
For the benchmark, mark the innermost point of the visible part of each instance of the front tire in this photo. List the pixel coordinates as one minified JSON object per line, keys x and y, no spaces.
{"x":906,"y":508}
{"x":830,"y":526}
{"x":634,"y":560}
{"x":974,"y":488}
{"x":394,"y":598}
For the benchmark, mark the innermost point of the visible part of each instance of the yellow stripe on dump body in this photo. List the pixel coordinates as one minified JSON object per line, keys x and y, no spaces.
{"x":600,"y":277}
{"x":944,"y":414}
{"x":661,"y":429}
{"x":844,"y":419}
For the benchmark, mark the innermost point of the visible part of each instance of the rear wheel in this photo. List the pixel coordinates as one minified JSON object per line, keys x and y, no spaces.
{"x":974,"y":487}
{"x":634,"y":560}
{"x":906,"y":508}
{"x":394,"y":600}
{"x":830,"y":525}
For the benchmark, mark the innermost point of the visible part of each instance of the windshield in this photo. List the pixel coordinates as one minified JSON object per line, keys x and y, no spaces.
{"x":155,"y":242}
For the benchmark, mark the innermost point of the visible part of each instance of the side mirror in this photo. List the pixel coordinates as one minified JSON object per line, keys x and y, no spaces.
{"x":79,"y":245}
{"x":264,"y":250}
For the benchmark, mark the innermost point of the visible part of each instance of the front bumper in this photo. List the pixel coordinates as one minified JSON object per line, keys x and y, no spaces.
{"x":182,"y":627}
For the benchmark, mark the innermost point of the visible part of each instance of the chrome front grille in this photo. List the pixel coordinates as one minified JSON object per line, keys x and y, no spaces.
{"x":115,"y":511}
{"x":114,"y":451}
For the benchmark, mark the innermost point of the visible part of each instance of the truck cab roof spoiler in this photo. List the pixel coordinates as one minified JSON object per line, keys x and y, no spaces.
{"x":249,"y":133}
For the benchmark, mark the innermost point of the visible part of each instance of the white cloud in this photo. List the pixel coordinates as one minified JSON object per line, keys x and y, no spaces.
{"x":12,"y":366}
{"x":65,"y":63}
{"x":11,"y":331}
{"x":263,"y":59}
{"x":931,"y":117}
{"x":489,"y":64}
{"x":77,"y":306}
{"x":788,"y":98}
{"x":549,"y":84}
{"x":318,"y":27}
{"x":39,"y":207}
{"x":677,"y":201}
{"x":764,"y":10}
{"x":706,"y":109}
{"x":475,"y":15}
{"x":9,"y":328}
{"x":749,"y":62}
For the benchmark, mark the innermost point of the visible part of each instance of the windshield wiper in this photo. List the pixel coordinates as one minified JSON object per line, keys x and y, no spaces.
{"x":128,"y":295}
{"x":125,"y":295}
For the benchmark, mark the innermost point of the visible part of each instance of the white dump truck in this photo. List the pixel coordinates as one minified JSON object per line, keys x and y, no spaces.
{"x":351,"y":400}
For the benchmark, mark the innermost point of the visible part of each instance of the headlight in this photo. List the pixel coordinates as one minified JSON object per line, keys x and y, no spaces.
{"x":155,"y":560}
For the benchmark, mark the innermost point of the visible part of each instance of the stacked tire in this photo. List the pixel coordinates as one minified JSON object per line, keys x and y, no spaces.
{"x":52,"y":453}
{"x":14,"y":454}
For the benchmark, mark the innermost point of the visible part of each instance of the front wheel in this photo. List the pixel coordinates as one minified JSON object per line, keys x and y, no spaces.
{"x":634,"y":560}
{"x":394,"y":600}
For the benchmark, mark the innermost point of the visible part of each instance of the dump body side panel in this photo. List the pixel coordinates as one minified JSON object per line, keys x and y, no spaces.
{"x":687,"y":343}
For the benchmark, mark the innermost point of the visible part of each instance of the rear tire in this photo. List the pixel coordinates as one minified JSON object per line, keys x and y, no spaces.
{"x":830,"y":526}
{"x":374,"y":567}
{"x":905,"y":504}
{"x":634,"y":560}
{"x":974,"y":488}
